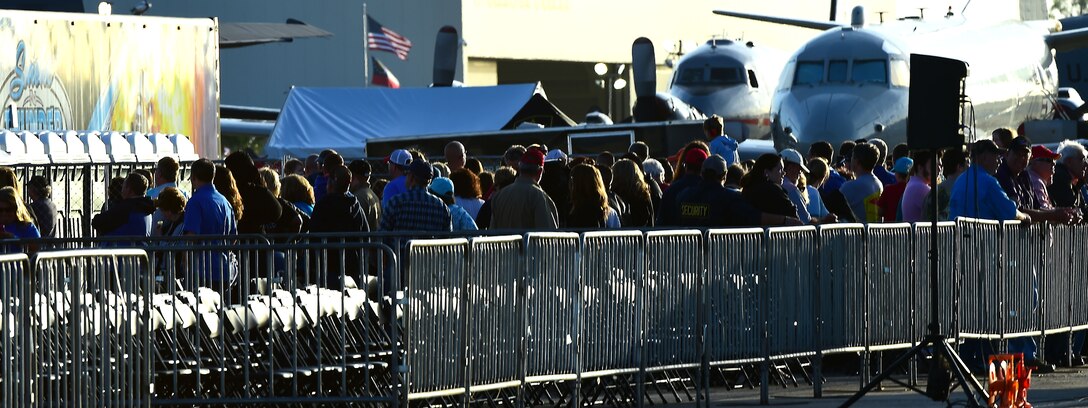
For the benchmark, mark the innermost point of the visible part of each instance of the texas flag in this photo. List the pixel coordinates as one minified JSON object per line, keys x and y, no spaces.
{"x":382,"y":76}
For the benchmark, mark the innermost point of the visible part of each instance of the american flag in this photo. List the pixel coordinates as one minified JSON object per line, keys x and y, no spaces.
{"x":378,"y":37}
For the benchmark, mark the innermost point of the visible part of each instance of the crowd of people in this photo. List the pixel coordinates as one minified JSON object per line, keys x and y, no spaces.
{"x":703,"y":185}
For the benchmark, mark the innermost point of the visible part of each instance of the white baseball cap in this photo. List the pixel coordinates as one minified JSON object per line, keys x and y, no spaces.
{"x":400,"y":157}
{"x":554,"y":155}
{"x":793,"y":156}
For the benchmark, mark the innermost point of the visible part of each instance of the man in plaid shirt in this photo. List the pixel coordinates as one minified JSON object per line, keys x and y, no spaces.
{"x":416,"y":209}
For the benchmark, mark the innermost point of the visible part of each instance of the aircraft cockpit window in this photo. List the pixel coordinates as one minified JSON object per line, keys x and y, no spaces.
{"x":752,"y":80}
{"x":900,"y":73}
{"x":809,"y":73}
{"x":870,"y":71}
{"x":836,"y":71}
{"x":725,"y":76}
{"x":690,"y":76}
{"x":786,"y":79}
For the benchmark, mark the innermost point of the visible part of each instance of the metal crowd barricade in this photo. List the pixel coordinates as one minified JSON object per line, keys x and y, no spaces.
{"x":248,"y":322}
{"x":1057,"y":278}
{"x":948,"y":278}
{"x":840,"y":296}
{"x":435,"y":333}
{"x":1022,"y":249}
{"x":889,"y":286}
{"x":17,"y":318}
{"x":88,"y":332}
{"x":735,"y":282}
{"x":553,"y":301}
{"x":612,"y":286}
{"x":1079,"y":309}
{"x":495,"y":313}
{"x":791,"y":278}
{"x":613,"y":279}
{"x":980,"y":312}
{"x":673,"y":306}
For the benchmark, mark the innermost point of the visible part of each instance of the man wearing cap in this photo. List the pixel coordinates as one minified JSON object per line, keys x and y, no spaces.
{"x":1010,"y":173}
{"x":668,"y":213}
{"x":523,"y":204}
{"x":442,"y":188}
{"x":416,"y":209}
{"x":398,"y":163}
{"x":709,"y":204}
{"x":792,"y":167}
{"x":977,"y":194}
{"x":1017,"y":184}
{"x":888,"y":203}
{"x":914,"y":196}
{"x":360,"y":188}
{"x":1041,"y":173}
{"x":720,"y":143}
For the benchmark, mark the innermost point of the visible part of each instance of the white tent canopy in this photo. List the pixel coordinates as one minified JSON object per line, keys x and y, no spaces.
{"x":343,"y":119}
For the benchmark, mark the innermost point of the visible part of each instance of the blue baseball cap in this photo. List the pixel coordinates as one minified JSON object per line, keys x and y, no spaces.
{"x":902,"y":166}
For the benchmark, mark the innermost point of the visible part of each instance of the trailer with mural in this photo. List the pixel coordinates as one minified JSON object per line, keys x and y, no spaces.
{"x":111,"y":73}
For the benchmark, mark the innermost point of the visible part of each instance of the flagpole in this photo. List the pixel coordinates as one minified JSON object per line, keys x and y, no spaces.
{"x":366,"y":50}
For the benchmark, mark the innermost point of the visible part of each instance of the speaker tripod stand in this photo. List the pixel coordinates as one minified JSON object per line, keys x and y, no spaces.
{"x":945,"y":359}
{"x":938,"y":79}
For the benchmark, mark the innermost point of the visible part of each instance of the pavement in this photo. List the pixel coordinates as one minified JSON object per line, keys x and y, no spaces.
{"x":1066,"y":387}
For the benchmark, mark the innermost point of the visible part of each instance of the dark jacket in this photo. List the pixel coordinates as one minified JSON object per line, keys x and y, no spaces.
{"x":1063,"y":193}
{"x":769,"y":198}
{"x":45,"y":215}
{"x":128,"y":217}
{"x":338,"y":213}
{"x":261,"y":209}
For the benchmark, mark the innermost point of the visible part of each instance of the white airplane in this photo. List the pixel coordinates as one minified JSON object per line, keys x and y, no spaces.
{"x":851,"y":82}
{"x":732,"y":79}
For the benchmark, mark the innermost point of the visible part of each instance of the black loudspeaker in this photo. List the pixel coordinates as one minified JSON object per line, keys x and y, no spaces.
{"x":933,"y":110}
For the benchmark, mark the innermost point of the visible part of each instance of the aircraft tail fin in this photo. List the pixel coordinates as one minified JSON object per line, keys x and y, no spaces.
{"x":796,"y":22}
{"x":446,"y":47}
{"x":644,"y":67}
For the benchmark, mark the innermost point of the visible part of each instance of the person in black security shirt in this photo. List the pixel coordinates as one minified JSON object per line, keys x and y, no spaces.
{"x":710,"y":204}
{"x":693,"y":157}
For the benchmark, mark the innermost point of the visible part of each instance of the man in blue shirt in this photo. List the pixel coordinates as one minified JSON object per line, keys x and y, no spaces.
{"x":879,"y":170}
{"x":416,"y":209}
{"x":977,"y":194}
{"x":398,"y":163}
{"x":209,"y":213}
{"x":720,"y":143}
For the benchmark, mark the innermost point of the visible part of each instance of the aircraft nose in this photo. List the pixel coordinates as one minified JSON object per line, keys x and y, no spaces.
{"x":834,"y":118}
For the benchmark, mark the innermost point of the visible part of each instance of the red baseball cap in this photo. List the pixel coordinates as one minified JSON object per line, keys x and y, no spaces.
{"x":1042,"y":152}
{"x":533,"y":157}
{"x":695,"y":157}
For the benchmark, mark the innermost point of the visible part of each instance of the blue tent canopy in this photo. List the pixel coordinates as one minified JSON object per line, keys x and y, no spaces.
{"x":344,"y":119}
